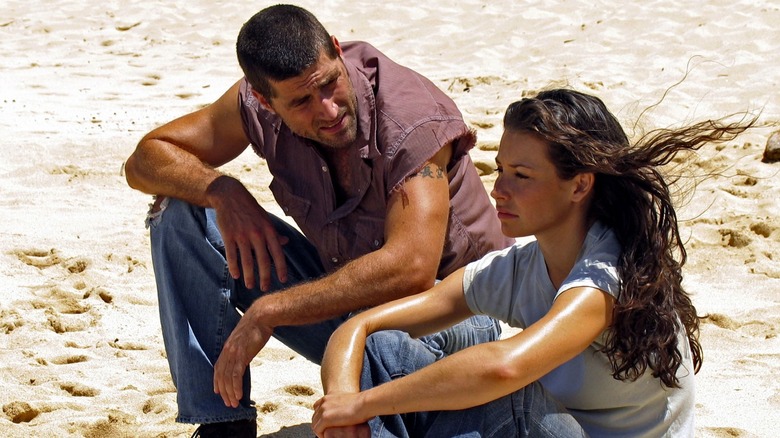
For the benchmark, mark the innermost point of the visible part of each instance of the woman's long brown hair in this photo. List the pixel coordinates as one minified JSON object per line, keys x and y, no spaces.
{"x":633,"y":199}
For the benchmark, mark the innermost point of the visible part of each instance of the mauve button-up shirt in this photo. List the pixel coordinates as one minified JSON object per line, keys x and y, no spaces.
{"x":403,"y":120}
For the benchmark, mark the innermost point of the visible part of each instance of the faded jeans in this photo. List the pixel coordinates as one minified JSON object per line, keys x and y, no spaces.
{"x":200,"y":303}
{"x":529,"y":412}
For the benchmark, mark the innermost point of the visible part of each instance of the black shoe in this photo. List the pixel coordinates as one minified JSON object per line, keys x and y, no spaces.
{"x":229,"y":429}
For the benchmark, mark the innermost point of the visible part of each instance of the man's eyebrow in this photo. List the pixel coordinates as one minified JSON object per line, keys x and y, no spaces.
{"x":329,"y":77}
{"x":324,"y":80}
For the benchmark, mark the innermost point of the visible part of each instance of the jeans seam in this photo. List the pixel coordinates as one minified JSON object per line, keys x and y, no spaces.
{"x":225,"y":294}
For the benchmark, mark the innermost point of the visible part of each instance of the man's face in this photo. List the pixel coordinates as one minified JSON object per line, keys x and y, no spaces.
{"x":319,"y":104}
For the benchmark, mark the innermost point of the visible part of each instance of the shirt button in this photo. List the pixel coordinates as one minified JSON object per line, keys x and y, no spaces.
{"x":324,"y":168}
{"x":334,"y":260}
{"x":376,"y":243}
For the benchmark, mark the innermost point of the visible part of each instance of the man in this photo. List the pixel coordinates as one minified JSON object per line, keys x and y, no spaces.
{"x":370,"y":160}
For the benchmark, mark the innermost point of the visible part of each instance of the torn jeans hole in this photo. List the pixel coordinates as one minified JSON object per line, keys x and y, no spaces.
{"x":156,"y":209}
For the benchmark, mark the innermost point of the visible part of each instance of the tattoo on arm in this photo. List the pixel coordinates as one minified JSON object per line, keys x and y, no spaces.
{"x":427,"y":172}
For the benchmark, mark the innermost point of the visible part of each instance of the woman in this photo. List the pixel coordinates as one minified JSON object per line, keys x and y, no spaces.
{"x":609,"y":341}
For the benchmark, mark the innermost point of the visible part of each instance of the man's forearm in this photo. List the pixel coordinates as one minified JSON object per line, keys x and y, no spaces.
{"x":168,"y":171}
{"x":373,"y":279}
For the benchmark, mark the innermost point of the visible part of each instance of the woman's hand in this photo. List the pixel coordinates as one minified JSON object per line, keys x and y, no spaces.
{"x":338,"y":415}
{"x":357,"y":431}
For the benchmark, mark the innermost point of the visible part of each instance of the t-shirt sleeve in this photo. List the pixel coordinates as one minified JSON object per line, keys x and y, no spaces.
{"x":598,"y":268}
{"x":488,"y":284}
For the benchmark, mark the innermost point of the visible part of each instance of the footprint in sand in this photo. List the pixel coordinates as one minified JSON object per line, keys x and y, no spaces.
{"x":79,"y":390}
{"x":299,"y":390}
{"x":65,"y":311}
{"x":61,"y":301}
{"x":155,"y":405}
{"x":20,"y":412}
{"x":762,"y":229}
{"x":60,"y":323}
{"x":68,"y":316}
{"x":721,"y":321}
{"x":268,"y":407}
{"x":127,"y":260}
{"x":69,"y":359}
{"x":766,"y":329}
{"x":101,"y":293}
{"x":727,"y":432}
{"x":118,"y":423}
{"x":151,"y":79}
{"x":734,"y":238}
{"x":42,"y":259}
{"x":38,"y":258}
{"x":10,"y":320}
{"x":127,"y":346}
{"x":302,"y":395}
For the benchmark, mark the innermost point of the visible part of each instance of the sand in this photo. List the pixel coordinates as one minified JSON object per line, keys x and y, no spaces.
{"x":80,"y":346}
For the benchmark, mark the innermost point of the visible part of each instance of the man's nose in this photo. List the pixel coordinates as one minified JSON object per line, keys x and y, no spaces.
{"x":329,"y":108}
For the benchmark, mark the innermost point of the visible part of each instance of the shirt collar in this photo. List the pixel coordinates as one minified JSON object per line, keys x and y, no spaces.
{"x":366,"y":112}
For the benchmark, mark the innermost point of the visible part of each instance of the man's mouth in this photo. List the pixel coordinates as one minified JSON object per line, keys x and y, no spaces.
{"x":335,"y":126}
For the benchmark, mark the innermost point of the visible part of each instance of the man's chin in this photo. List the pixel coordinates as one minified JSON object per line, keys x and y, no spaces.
{"x":344,"y":140}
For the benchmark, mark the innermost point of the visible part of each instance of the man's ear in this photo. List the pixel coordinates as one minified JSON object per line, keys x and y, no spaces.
{"x":583,"y":186}
{"x":336,"y":43}
{"x":260,"y":98}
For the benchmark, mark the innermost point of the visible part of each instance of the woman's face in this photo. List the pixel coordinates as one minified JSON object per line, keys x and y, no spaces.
{"x":530,"y":197}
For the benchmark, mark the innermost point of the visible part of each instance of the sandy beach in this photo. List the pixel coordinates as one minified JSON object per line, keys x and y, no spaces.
{"x":81,"y":352}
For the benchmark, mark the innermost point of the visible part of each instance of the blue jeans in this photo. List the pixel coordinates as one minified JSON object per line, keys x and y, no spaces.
{"x":529,"y":412}
{"x":200,"y":303}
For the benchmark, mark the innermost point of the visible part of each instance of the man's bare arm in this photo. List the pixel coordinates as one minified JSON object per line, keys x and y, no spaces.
{"x":415,"y":231}
{"x":179,"y":158}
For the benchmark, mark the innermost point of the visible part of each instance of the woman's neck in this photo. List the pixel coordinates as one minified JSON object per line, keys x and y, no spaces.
{"x":561,"y":247}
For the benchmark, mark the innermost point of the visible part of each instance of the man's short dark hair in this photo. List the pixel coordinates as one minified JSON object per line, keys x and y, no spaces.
{"x":280,"y":42}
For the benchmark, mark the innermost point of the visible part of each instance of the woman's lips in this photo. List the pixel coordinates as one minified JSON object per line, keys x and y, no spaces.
{"x":503,"y":214}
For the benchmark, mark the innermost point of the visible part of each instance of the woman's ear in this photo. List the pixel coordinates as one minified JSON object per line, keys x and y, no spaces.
{"x":583,"y":186}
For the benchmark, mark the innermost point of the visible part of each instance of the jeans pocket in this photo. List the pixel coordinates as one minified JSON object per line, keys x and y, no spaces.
{"x":156,"y":209}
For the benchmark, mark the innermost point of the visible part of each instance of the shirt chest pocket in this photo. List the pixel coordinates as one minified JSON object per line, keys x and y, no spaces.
{"x":293,"y":206}
{"x":370,"y":232}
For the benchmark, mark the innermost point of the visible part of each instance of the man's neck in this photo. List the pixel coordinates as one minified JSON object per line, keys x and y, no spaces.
{"x":341,"y":168}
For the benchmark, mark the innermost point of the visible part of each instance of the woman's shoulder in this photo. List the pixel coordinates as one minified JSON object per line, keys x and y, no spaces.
{"x":597,"y":264}
{"x":601,"y":238}
{"x":519,"y":254}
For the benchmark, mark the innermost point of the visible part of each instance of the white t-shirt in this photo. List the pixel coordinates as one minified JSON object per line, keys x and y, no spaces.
{"x":512,"y":285}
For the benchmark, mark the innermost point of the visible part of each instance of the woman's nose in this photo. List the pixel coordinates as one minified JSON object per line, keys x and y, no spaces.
{"x":496,"y":193}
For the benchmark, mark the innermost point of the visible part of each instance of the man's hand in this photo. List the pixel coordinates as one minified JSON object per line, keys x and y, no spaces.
{"x":337,"y":415}
{"x":247,"y":232}
{"x":241,"y":347}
